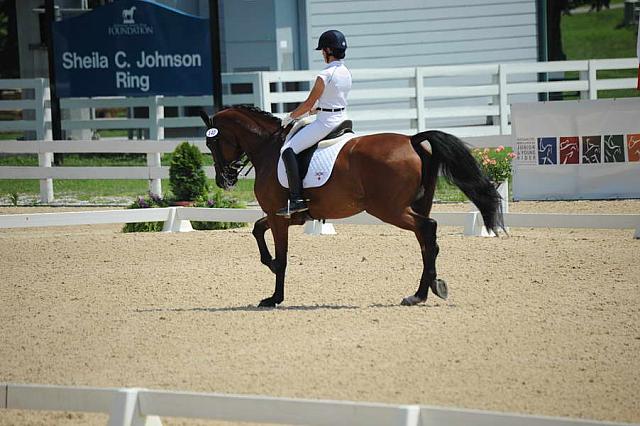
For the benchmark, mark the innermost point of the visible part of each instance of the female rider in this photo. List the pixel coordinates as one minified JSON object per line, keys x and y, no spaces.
{"x":330,"y":92}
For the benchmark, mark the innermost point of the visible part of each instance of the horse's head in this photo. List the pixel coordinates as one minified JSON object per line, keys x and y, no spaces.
{"x":228,"y":156}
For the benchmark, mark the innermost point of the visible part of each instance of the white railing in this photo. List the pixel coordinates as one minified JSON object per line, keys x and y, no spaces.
{"x":476,"y":91}
{"x":481,"y":91}
{"x":405,"y":100}
{"x":174,"y":219}
{"x":131,"y":407}
{"x":153,"y":171}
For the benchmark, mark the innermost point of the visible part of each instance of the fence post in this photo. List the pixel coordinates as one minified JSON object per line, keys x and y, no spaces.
{"x":495,"y":99}
{"x":265,"y":101}
{"x":412,"y":415}
{"x":256,"y":86}
{"x":420,"y":107}
{"x":471,"y":226}
{"x":318,"y":227}
{"x":174,"y":223}
{"x":504,"y":101}
{"x":44,"y":133}
{"x":156,"y":132}
{"x":126,"y":411}
{"x":584,"y":76}
{"x":593,"y":79}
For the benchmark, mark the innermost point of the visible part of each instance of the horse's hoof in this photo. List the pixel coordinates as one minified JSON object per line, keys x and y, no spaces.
{"x":439,"y":288}
{"x":269,"y":302}
{"x":412,"y":300}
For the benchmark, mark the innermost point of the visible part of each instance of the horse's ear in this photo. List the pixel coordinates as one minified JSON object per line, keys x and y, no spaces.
{"x":205,"y":118}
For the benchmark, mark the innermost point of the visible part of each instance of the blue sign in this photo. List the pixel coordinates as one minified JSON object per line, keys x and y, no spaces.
{"x":547,"y":151}
{"x":132,"y":48}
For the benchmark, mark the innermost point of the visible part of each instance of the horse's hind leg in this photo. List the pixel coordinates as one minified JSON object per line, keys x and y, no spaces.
{"x":259,"y":229}
{"x":426,"y":233}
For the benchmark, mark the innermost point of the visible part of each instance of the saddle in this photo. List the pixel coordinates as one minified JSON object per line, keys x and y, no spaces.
{"x":304,"y":158}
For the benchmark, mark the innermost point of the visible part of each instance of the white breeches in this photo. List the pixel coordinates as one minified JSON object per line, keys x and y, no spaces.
{"x":323,"y":125}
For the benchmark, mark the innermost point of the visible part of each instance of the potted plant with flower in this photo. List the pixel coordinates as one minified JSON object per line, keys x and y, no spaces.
{"x":497,"y":165}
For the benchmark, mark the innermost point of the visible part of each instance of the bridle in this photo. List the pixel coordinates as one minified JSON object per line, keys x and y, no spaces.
{"x":228,"y":171}
{"x":231,"y":170}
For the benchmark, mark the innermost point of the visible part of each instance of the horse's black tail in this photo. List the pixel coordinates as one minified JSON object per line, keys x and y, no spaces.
{"x":452,"y":158}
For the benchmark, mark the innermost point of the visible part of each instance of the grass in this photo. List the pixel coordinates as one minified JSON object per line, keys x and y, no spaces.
{"x":599,"y":35}
{"x":90,"y":189}
{"x":93,"y":190}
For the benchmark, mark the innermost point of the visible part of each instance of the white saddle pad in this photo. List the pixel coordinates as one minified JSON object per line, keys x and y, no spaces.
{"x":321,"y":163}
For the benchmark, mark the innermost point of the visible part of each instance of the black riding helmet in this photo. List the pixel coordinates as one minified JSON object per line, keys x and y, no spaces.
{"x":332,"y":39}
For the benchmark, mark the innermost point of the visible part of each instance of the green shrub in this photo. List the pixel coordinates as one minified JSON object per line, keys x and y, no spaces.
{"x":216,"y":199}
{"x":187,"y":179}
{"x":146,"y":202}
{"x":220,"y":200}
{"x":14,"y":197}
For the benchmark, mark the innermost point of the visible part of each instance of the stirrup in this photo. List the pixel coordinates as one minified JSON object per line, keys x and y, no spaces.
{"x":293,"y":206}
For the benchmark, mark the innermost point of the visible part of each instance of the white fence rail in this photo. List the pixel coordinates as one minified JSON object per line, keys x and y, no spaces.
{"x":174,"y":218}
{"x":474,"y":99}
{"x":137,"y":407}
{"x":482,"y":91}
{"x":153,"y":171}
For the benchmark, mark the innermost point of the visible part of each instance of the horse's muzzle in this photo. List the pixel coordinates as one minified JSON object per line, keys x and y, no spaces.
{"x":225,"y":181}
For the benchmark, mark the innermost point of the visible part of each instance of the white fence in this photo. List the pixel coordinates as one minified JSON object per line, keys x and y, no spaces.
{"x":492,"y":84}
{"x":405,"y":100}
{"x":138,"y":407}
{"x":153,"y":171}
{"x":174,"y":219}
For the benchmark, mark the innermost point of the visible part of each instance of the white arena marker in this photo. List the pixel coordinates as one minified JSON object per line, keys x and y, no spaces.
{"x":318,"y":227}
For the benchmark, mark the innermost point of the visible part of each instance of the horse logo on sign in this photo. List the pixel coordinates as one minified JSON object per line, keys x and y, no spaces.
{"x":127,"y":15}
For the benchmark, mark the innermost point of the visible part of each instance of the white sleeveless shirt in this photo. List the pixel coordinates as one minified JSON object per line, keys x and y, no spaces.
{"x":337,"y":83}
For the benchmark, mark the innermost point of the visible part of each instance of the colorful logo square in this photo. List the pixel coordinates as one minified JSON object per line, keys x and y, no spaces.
{"x":633,"y":147}
{"x":591,"y":149}
{"x":547,"y":151}
{"x":613,"y":149}
{"x":569,"y":150}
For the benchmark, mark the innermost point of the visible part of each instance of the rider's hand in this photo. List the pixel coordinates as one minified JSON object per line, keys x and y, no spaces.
{"x":286,"y":121}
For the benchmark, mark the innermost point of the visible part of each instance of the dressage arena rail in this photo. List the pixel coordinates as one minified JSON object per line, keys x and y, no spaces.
{"x":175,"y":219}
{"x":143,"y":407}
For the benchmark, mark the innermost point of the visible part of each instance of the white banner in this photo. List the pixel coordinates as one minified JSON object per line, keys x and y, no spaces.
{"x":572,"y":150}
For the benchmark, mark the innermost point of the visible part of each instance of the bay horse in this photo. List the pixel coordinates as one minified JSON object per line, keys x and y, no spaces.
{"x":390,"y":176}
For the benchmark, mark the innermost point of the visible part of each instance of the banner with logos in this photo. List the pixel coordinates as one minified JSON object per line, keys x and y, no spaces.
{"x":132,"y":48}
{"x":569,"y":150}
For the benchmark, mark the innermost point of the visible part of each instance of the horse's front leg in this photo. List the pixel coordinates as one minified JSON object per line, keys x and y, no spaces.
{"x":259,"y":228}
{"x":280,"y":231}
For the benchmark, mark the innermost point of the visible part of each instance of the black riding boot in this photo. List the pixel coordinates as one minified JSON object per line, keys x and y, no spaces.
{"x":296,"y":202}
